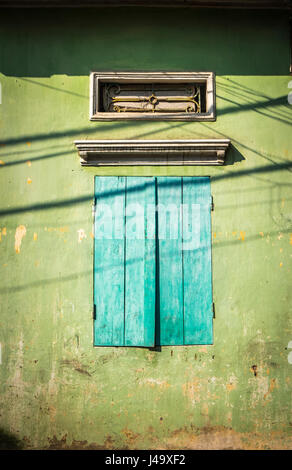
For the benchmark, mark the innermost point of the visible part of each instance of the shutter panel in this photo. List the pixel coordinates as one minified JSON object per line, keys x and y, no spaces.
{"x":109,"y":255}
{"x":140,"y":262}
{"x":142,"y":259}
{"x":197,"y":275}
{"x":170,"y":315}
{"x":185,"y":281}
{"x":124,"y":262}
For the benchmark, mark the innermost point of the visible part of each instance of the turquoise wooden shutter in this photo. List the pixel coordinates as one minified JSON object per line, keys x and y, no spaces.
{"x":152,"y":271}
{"x":124,"y":261}
{"x":185,"y":278}
{"x":197,"y":265}
{"x":170,"y":261}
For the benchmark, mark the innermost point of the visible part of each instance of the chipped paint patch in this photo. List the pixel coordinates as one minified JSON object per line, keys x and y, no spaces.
{"x":19,"y":234}
{"x":242,"y":236}
{"x":154,"y":382}
{"x":131,"y":437}
{"x":3,"y":231}
{"x":57,"y":229}
{"x":205,"y":409}
{"x":290,"y":353}
{"x":81,"y":235}
{"x":232,"y":384}
{"x":260,"y":391}
{"x":192,"y":390}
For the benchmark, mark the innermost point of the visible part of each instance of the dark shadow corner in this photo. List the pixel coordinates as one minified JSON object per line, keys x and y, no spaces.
{"x":9,"y":441}
{"x":233,"y":156}
{"x":155,"y":349}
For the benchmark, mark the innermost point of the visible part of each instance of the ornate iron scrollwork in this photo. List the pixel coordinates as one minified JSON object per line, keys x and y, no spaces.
{"x":152,"y":98}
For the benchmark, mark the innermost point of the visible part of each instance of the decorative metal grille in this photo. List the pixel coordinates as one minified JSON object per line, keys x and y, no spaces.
{"x":153,"y":98}
{"x":167,"y":96}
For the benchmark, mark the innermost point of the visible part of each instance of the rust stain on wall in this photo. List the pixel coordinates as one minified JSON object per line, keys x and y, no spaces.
{"x":220,"y":437}
{"x":131,"y":437}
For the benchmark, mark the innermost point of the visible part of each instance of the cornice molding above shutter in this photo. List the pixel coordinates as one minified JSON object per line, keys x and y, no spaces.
{"x":152,"y":152}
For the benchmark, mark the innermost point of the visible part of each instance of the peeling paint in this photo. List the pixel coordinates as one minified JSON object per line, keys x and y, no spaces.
{"x":3,"y":232}
{"x":81,"y":235}
{"x":242,"y":236}
{"x":57,"y":229}
{"x":155,"y":382}
{"x":192,"y":390}
{"x":232,"y":384}
{"x":19,"y":234}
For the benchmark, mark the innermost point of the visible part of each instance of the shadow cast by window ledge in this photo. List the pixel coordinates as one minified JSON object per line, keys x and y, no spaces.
{"x":233,"y":155}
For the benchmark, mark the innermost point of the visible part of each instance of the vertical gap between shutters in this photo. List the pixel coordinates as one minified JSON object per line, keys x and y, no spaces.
{"x":182,"y":256}
{"x":125,"y":234}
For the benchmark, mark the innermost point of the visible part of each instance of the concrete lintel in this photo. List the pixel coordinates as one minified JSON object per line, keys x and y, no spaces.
{"x":152,"y":152}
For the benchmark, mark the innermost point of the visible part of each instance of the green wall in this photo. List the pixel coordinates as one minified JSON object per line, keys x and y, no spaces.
{"x":56,"y":390}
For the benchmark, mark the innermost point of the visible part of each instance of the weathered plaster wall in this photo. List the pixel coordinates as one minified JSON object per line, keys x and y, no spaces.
{"x":56,"y":389}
